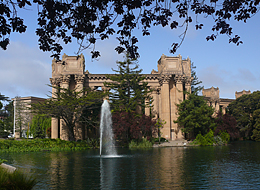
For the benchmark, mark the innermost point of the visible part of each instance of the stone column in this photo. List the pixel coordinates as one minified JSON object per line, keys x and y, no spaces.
{"x":224,"y":110}
{"x":217,"y":106}
{"x":80,"y":82}
{"x":147,"y":107}
{"x":165,"y":106}
{"x":54,"y":121}
{"x":63,"y":133}
{"x":79,"y":129}
{"x":155,"y":108}
{"x":173,"y":108}
{"x":179,"y":99}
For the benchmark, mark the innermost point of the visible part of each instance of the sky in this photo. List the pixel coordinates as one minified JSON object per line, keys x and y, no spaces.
{"x":25,"y":70}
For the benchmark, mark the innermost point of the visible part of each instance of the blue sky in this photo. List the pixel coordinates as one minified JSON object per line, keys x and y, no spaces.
{"x":25,"y":70}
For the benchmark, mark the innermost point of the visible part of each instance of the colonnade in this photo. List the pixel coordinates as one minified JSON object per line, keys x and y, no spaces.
{"x":168,"y":84}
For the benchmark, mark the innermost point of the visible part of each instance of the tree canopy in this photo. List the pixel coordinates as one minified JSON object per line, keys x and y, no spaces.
{"x":129,"y":96}
{"x":246,"y":111}
{"x":128,"y":90}
{"x":69,"y":105}
{"x":195,"y":116}
{"x":39,"y":125}
{"x":87,"y":21}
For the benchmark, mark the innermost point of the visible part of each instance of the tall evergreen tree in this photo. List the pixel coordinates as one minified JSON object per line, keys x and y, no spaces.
{"x":129,"y":96}
{"x":128,"y":90}
{"x":195,"y":80}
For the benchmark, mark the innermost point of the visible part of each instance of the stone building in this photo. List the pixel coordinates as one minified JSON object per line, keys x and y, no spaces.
{"x":238,"y":94}
{"x":168,"y":83}
{"x":219,"y":104}
{"x":172,"y":77}
{"x":23,"y":115}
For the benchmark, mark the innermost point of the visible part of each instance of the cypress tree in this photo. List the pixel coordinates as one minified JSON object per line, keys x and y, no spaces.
{"x":129,"y":96}
{"x":128,"y":90}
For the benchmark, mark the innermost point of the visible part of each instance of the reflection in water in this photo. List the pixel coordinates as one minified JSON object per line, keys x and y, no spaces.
{"x":229,"y":167}
{"x":108,"y":169}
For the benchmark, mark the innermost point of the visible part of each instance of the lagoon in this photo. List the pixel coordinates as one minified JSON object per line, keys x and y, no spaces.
{"x":236,"y":166}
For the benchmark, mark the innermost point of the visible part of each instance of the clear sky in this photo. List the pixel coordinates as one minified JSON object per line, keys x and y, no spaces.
{"x":25,"y":70}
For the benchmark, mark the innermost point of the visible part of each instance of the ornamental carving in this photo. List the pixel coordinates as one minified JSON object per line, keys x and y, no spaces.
{"x":55,"y":81}
{"x":165,"y":79}
{"x":66,"y":79}
{"x":188,"y":81}
{"x":179,"y":79}
{"x":156,"y":90}
{"x":80,"y":78}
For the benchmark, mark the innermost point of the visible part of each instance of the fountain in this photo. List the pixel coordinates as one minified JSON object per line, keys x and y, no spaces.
{"x":107,"y":142}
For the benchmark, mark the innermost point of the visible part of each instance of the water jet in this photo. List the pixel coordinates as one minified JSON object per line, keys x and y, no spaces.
{"x":107,"y":141}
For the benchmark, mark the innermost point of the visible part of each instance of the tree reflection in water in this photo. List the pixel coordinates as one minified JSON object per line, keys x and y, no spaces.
{"x":229,"y":167}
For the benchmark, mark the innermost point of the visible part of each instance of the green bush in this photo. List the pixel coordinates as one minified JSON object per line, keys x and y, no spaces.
{"x":4,"y":134}
{"x":142,"y":144}
{"x":206,"y":140}
{"x":225,"y":137}
{"x":209,"y":139}
{"x":16,"y":180}
{"x":34,"y":145}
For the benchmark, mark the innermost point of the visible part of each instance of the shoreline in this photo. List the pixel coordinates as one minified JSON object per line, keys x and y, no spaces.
{"x":174,"y":143}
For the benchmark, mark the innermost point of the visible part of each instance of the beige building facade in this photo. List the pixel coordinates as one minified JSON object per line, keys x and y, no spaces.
{"x":219,"y":104}
{"x":23,"y":115}
{"x":172,"y":78}
{"x":168,"y":83}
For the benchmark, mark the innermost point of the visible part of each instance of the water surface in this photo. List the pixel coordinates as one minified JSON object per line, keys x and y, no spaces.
{"x":236,"y":166}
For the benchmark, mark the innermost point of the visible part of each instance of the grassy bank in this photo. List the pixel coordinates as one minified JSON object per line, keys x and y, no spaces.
{"x":34,"y":145}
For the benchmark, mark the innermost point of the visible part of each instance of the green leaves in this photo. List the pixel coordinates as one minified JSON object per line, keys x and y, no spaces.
{"x":128,"y":91}
{"x":39,"y":126}
{"x":246,"y":110}
{"x":195,"y":116}
{"x":69,"y":105}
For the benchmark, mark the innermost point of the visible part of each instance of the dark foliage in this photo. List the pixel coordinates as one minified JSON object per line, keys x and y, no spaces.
{"x":256,"y":130}
{"x":40,"y":125}
{"x":88,"y":21}
{"x":129,"y":91}
{"x":195,"y":116}
{"x":90,"y":118}
{"x":69,"y":105}
{"x":127,"y":126}
{"x":227,"y":123}
{"x":245,"y":109}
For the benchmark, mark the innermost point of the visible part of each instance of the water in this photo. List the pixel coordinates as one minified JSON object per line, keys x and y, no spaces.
{"x":107,"y":142}
{"x":229,"y":167}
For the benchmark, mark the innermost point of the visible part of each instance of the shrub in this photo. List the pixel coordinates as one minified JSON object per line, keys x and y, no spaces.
{"x":128,"y":126}
{"x":16,"y":180}
{"x":225,"y":137}
{"x":228,"y":124}
{"x":209,"y":139}
{"x":44,"y":145}
{"x":206,"y":140}
{"x":141,"y":144}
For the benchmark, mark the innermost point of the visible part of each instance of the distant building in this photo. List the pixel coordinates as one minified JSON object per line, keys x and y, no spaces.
{"x":213,"y":99}
{"x":23,"y":116}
